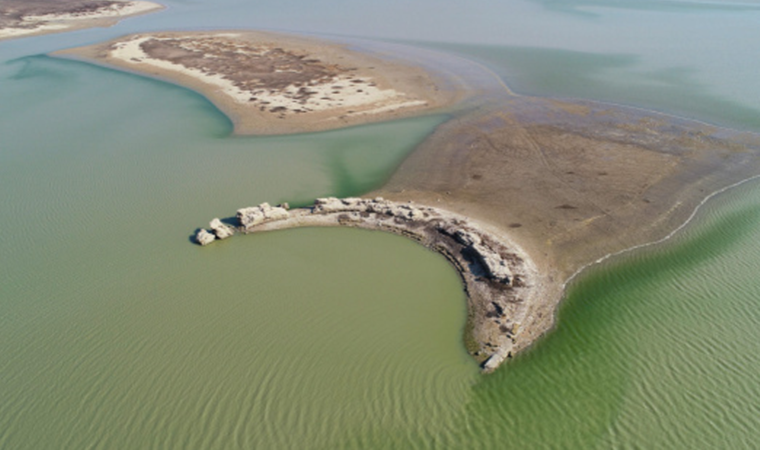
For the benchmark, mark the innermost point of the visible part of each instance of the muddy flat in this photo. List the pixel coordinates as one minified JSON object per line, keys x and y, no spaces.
{"x":572,"y":181}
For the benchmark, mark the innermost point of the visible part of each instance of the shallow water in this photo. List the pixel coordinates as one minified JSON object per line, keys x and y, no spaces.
{"x":116,"y":332}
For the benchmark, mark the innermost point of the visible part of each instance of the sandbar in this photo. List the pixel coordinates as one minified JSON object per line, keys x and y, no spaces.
{"x":23,"y":18}
{"x":272,"y":83}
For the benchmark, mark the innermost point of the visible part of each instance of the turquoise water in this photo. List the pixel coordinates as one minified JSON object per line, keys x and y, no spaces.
{"x":116,"y":332}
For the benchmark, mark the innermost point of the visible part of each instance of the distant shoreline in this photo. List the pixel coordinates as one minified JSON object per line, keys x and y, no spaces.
{"x":69,"y":16}
{"x":283,"y":84}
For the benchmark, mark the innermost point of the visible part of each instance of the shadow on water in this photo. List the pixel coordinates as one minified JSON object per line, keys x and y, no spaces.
{"x":568,"y":390}
{"x":231,"y":221}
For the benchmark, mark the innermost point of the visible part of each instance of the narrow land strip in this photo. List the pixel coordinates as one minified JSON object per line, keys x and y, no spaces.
{"x":502,"y":284}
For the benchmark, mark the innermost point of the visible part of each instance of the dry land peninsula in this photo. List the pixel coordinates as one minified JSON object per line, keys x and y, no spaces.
{"x":276,"y":84}
{"x":524,"y":194}
{"x":22,"y":18}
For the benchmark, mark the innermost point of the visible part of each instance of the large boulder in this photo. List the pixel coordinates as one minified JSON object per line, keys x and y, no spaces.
{"x":406,"y":212}
{"x":222,"y":231}
{"x":255,"y":215}
{"x":328,"y":205}
{"x":332,"y":204}
{"x":355,"y":202}
{"x":204,"y":238}
{"x":495,"y":360}
{"x":416,"y":214}
{"x":380,"y":206}
{"x":493,"y":263}
{"x":467,"y":238}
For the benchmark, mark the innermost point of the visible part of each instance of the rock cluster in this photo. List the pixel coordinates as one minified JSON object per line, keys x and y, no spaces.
{"x":377,"y":205}
{"x":362,"y":210}
{"x":255,"y":215}
{"x":221,"y":230}
{"x":485,"y":263}
{"x":204,"y":238}
{"x":495,"y":266}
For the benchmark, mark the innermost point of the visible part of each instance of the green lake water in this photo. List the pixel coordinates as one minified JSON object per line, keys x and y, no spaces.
{"x":117,"y":332}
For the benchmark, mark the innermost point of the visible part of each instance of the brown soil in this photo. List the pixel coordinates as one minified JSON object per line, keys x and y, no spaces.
{"x":572,"y":181}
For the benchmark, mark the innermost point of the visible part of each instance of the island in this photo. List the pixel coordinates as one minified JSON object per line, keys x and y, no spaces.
{"x":22,"y":18}
{"x":272,"y":83}
{"x":519,"y":193}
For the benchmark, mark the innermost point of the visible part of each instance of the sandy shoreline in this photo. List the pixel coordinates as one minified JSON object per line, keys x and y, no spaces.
{"x":70,"y":16}
{"x":271,"y":83}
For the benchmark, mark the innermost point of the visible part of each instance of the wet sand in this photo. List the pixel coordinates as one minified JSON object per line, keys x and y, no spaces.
{"x":271,"y":83}
{"x":23,"y":18}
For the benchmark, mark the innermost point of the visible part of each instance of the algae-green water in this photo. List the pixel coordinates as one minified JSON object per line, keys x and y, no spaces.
{"x":117,"y":332}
